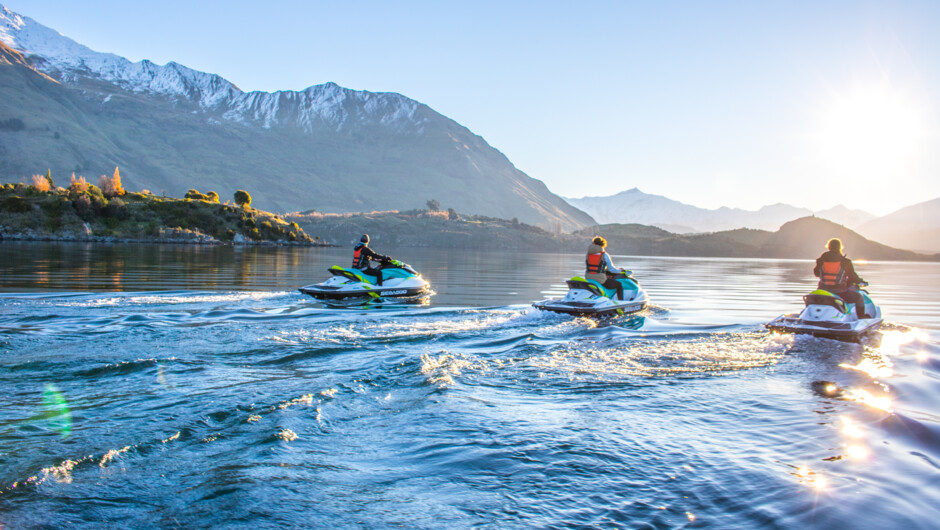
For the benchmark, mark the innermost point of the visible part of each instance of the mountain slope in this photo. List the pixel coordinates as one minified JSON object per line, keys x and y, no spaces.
{"x":915,"y":227}
{"x":803,"y":238}
{"x":634,"y":206}
{"x":172,"y":128}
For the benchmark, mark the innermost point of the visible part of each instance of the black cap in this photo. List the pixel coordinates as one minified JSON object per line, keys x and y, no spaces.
{"x":364,"y":238}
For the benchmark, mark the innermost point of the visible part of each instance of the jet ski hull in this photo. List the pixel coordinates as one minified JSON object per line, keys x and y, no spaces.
{"x":583,"y":309}
{"x":329,"y":293}
{"x":589,"y":299}
{"x":828,"y":316}
{"x":400,"y":281}
{"x":845,"y":331}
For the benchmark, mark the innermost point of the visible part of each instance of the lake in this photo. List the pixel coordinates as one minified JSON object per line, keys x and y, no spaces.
{"x":151,"y":385}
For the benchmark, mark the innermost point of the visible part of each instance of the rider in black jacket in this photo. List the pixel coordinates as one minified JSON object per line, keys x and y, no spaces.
{"x":362,"y":256}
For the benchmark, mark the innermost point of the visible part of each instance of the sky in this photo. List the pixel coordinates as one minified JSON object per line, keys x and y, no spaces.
{"x":719,"y":103}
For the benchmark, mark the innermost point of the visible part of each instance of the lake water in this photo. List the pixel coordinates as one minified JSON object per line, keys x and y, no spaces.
{"x":194,"y":386}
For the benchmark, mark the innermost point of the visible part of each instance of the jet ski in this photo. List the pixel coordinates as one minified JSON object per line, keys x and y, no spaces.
{"x":398,"y":280}
{"x":589,"y":298}
{"x":827,"y":315}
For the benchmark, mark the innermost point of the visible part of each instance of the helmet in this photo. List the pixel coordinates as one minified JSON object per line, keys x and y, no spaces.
{"x":364,"y":238}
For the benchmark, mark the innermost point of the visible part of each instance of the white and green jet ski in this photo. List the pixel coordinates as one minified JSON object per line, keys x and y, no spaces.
{"x":398,"y":280}
{"x":591,"y":299}
{"x":827,"y":315}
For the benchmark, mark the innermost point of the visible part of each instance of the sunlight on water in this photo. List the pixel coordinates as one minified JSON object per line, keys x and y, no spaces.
{"x":663,"y":357}
{"x":867,"y":398}
{"x":252,"y":403}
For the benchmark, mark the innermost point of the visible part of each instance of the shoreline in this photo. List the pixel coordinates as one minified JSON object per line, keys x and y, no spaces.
{"x":199,"y":240}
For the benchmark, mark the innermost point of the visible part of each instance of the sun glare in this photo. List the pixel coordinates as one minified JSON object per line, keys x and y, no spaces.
{"x":867,"y":132}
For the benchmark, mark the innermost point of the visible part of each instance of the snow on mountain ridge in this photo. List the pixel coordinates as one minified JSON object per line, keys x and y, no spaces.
{"x":62,"y":57}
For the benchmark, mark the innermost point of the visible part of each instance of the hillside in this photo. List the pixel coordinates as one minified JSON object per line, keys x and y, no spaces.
{"x":804,"y":238}
{"x":915,"y":227}
{"x":85,"y":212}
{"x":171,"y":128}
{"x":635,"y":206}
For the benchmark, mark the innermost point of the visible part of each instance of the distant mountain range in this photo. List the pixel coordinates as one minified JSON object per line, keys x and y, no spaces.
{"x":68,"y":108}
{"x":634,"y":206}
{"x":802,"y":238}
{"x":916,"y":227}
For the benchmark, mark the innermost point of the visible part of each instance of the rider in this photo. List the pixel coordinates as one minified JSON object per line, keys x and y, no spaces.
{"x":362,"y":255}
{"x":837,"y":275}
{"x":600,"y":268}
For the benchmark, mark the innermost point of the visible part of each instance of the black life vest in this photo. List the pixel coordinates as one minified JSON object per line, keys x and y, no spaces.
{"x":832,"y":275}
{"x":596,"y":263}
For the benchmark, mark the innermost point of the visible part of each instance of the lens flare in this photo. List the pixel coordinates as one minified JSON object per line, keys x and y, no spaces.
{"x":56,"y":411}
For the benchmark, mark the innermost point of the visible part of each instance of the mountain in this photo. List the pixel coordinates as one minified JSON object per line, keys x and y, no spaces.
{"x":845,"y":216}
{"x":172,"y":128}
{"x":634,"y":206}
{"x":803,"y":238}
{"x":915,"y":227}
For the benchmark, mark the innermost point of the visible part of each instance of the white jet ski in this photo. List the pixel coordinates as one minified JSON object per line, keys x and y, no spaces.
{"x":827,"y":315}
{"x":589,"y":298}
{"x":398,"y":280}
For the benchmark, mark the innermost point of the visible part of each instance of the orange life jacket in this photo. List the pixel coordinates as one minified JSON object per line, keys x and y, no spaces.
{"x":357,"y":257}
{"x":596,"y":263}
{"x":832,"y":275}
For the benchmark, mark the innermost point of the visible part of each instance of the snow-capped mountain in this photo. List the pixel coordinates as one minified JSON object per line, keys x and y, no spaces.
{"x":64,"y":59}
{"x":173,"y":128}
{"x":67,"y":60}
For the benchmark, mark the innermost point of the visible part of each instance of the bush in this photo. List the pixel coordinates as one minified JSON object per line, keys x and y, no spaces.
{"x":213,"y":197}
{"x":16,"y":204}
{"x":195,"y":195}
{"x":83,"y":207}
{"x":116,"y":209}
{"x":242,"y":198}
{"x":79,"y":185}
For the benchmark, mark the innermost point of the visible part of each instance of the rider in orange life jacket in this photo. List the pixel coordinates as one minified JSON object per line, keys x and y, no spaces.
{"x":362,"y":255}
{"x":837,"y":275}
{"x":601,"y":268}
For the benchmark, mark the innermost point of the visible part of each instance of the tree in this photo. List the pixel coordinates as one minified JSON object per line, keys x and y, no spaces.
{"x":212,"y":196}
{"x":111,"y":187}
{"x":452,"y":214}
{"x":433,"y":205}
{"x":243,"y":199}
{"x":49,"y":179}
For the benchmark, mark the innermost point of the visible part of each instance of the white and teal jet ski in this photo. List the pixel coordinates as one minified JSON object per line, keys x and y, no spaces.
{"x":398,"y":280}
{"x":827,"y":315}
{"x":589,"y":298}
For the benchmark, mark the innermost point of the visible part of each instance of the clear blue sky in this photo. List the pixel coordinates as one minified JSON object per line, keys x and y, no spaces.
{"x":712,"y":103}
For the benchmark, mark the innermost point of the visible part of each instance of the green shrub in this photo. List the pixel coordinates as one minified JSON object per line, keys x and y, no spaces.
{"x":16,"y":204}
{"x":116,"y":209}
{"x":84,"y":207}
{"x":242,"y":198}
{"x":195,"y":195}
